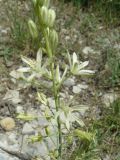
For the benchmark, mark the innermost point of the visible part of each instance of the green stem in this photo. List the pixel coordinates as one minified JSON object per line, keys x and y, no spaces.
{"x":56,"y":96}
{"x":57,"y":104}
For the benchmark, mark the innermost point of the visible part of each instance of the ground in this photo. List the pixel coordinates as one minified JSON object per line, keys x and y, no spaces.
{"x":80,"y":32}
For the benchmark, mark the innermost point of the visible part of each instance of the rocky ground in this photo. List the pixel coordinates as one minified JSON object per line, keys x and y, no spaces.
{"x":78,"y":33}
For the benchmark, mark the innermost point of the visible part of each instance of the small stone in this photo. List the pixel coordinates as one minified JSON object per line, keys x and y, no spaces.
{"x":69,"y":82}
{"x":19,"y":109}
{"x":51,"y":102}
{"x":7,"y":123}
{"x":4,"y":32}
{"x":12,"y":138}
{"x":83,"y":86}
{"x":27,"y":129}
{"x":87,"y":50}
{"x":76,"y":89}
{"x":12,"y":95}
{"x":109,"y":98}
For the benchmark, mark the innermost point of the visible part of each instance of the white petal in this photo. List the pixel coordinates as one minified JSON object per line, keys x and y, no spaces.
{"x":86,"y":72}
{"x":24,"y":69}
{"x":39,"y":58}
{"x":75,"y":60}
{"x":84,"y":64}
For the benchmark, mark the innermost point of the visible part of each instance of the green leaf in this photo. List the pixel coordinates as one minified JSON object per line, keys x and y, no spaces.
{"x":37,"y":138}
{"x":83,"y":135}
{"x":26,"y":117}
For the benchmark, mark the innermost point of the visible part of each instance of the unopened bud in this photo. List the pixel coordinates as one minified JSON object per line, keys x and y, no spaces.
{"x":34,"y":2}
{"x":46,"y":3}
{"x":40,"y":2}
{"x":33,"y":29}
{"x":51,"y":17}
{"x":47,"y":130}
{"x":44,"y":15}
{"x":53,"y":38}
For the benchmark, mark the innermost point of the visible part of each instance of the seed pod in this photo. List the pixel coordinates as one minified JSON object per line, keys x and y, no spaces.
{"x":44,"y":15}
{"x":51,"y":17}
{"x":33,"y":29}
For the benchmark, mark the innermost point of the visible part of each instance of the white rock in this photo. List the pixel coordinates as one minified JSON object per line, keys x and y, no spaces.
{"x":12,"y":95}
{"x":4,"y":32}
{"x":12,"y":138}
{"x":109,"y":98}
{"x":69,"y":82}
{"x":27,"y":129}
{"x":88,"y":50}
{"x":51,"y":102}
{"x":76,"y":89}
{"x":83,"y":86}
{"x":19,"y":109}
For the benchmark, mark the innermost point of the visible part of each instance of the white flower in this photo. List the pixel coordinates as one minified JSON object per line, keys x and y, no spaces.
{"x":76,"y":67}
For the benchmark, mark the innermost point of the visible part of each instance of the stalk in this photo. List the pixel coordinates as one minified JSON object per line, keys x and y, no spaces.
{"x":56,"y":97}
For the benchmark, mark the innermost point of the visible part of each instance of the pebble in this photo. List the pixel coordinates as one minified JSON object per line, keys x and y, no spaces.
{"x":78,"y":88}
{"x":4,"y":32}
{"x":27,"y":129}
{"x":7,"y":123}
{"x":19,"y":109}
{"x":69,"y":82}
{"x":12,"y":95}
{"x":5,"y":156}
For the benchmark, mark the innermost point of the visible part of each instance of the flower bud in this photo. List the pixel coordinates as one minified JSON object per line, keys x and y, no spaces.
{"x":46,"y":3}
{"x":47,"y":130}
{"x":33,"y":29}
{"x":51,"y":17}
{"x":44,"y":15}
{"x":40,"y":2}
{"x":53,"y":38}
{"x":34,"y":2}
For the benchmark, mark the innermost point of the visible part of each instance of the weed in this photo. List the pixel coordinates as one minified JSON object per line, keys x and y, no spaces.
{"x":7,"y":53}
{"x":18,"y":25}
{"x":63,"y":114}
{"x":113,"y":61}
{"x":106,"y":140}
{"x":108,"y":10}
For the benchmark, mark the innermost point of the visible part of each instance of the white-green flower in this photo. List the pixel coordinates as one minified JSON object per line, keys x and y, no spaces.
{"x":76,"y":67}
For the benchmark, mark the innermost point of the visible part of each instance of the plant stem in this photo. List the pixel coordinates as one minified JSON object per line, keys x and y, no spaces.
{"x":56,"y":96}
{"x":57,"y":104}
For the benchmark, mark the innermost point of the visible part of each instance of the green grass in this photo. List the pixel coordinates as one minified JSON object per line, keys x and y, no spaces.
{"x":107,"y":136}
{"x":113,"y":61}
{"x":18,"y":24}
{"x":108,"y":10}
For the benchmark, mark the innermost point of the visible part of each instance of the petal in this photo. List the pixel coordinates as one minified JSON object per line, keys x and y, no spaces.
{"x":75,"y":60}
{"x":24,"y":69}
{"x":83,"y":65}
{"x":86,"y":72}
